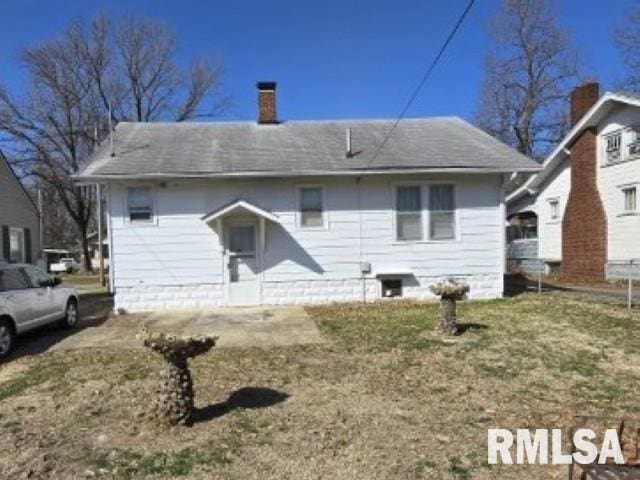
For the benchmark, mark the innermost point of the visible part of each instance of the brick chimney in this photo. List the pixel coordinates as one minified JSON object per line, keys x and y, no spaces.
{"x":582,"y":99}
{"x":267,"y":103}
{"x":584,"y":224}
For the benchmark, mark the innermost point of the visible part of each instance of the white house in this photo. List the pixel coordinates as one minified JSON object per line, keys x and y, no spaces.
{"x":585,"y":199}
{"x":267,"y":212}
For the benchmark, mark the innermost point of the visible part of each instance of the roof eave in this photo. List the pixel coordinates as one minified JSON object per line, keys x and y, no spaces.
{"x":271,"y":174}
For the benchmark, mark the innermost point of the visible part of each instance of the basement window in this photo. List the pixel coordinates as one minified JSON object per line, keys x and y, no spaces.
{"x":391,"y":287}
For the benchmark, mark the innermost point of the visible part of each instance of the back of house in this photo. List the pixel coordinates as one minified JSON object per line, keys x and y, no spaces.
{"x":19,"y":221}
{"x":297,"y":212}
{"x":580,"y":214}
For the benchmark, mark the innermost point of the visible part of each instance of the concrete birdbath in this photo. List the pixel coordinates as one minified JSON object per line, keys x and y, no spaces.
{"x":174,"y":404}
{"x":449,"y":291}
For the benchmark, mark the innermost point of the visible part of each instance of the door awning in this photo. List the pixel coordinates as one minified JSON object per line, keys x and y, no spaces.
{"x":239,"y":206}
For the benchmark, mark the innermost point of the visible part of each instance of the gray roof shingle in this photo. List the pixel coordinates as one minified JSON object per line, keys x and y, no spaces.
{"x":299,"y":148}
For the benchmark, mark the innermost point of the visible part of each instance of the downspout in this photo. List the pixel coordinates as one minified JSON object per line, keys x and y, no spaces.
{"x":363,"y":278}
{"x":112,"y":260}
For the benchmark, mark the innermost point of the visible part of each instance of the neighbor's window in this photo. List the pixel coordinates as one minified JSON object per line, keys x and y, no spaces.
{"x":634,"y":142}
{"x":630,"y":199}
{"x":442,"y":213}
{"x":554,"y":209}
{"x":613,"y":142}
{"x":140,"y":204}
{"x":409,"y":213}
{"x":311,"y":211}
{"x":16,"y":245}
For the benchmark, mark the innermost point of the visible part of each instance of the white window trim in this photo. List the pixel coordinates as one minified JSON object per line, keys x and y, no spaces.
{"x":325,"y":211}
{"x":550,"y":218}
{"x":154,"y":214}
{"x":426,"y":212}
{"x":623,"y":189}
{"x":394,"y":200}
{"x":24,"y":246}
{"x":456,"y":235}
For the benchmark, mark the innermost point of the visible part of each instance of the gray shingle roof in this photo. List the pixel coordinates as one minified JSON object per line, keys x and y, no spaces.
{"x":299,"y":148}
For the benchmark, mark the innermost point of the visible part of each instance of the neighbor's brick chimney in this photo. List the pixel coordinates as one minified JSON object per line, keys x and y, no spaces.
{"x":267,"y":102}
{"x":582,"y":99}
{"x":584,"y":225}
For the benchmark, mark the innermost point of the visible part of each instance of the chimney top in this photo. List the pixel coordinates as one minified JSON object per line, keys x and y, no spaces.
{"x":583,"y":97}
{"x":266,"y":85}
{"x":267,"y":103}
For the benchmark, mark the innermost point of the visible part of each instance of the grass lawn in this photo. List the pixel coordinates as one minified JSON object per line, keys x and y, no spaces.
{"x":384,"y":398}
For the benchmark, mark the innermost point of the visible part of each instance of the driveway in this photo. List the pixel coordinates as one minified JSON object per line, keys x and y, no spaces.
{"x":236,"y":327}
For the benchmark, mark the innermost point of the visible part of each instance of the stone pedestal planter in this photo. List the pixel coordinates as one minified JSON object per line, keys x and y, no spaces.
{"x":175,"y":395}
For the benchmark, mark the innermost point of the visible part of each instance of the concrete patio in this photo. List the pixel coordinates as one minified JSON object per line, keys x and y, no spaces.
{"x":236,"y":327}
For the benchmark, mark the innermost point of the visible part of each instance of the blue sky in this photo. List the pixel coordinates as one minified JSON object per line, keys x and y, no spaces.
{"x":331,"y":58}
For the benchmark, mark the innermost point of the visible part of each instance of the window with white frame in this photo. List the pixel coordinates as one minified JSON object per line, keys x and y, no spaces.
{"x":311,"y":207}
{"x":140,"y":204}
{"x":634,"y":142}
{"x":630,"y":199}
{"x":613,"y":142}
{"x":442,"y":212}
{"x":554,"y":209}
{"x":17,"y":252}
{"x":408,"y":212}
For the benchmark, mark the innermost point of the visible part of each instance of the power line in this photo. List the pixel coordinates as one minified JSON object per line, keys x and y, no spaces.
{"x":424,"y":80}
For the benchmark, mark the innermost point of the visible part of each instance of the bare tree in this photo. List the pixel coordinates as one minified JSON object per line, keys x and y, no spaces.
{"x":529,"y":71}
{"x":51,"y":129}
{"x":627,"y":40}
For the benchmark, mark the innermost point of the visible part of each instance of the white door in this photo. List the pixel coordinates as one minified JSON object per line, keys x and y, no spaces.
{"x":243,"y":275}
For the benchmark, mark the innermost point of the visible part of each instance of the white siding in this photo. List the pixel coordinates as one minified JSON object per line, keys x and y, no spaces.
{"x":179,"y":259}
{"x":556,"y":186}
{"x":623,"y":230}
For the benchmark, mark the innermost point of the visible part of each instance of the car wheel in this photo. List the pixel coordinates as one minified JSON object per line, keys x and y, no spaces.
{"x":70,"y":319}
{"x":7,"y":336}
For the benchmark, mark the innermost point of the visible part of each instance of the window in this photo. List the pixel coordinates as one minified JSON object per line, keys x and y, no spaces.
{"x":408,"y":213}
{"x":630,"y":199}
{"x":634,"y":142}
{"x":442,"y":213}
{"x":391,"y":288}
{"x":522,"y":226}
{"x":140,"y":204}
{"x":12,"y":279}
{"x":242,"y":239}
{"x":613,"y":142}
{"x":554,"y":209}
{"x":311,"y":211}
{"x":16,"y":245}
{"x":37,"y":278}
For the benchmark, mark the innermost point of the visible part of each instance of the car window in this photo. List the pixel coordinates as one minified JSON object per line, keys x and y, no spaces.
{"x":12,"y":279}
{"x":35,"y":276}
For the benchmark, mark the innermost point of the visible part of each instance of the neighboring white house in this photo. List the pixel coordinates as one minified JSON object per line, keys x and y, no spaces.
{"x":599,"y":162}
{"x":244,"y":213}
